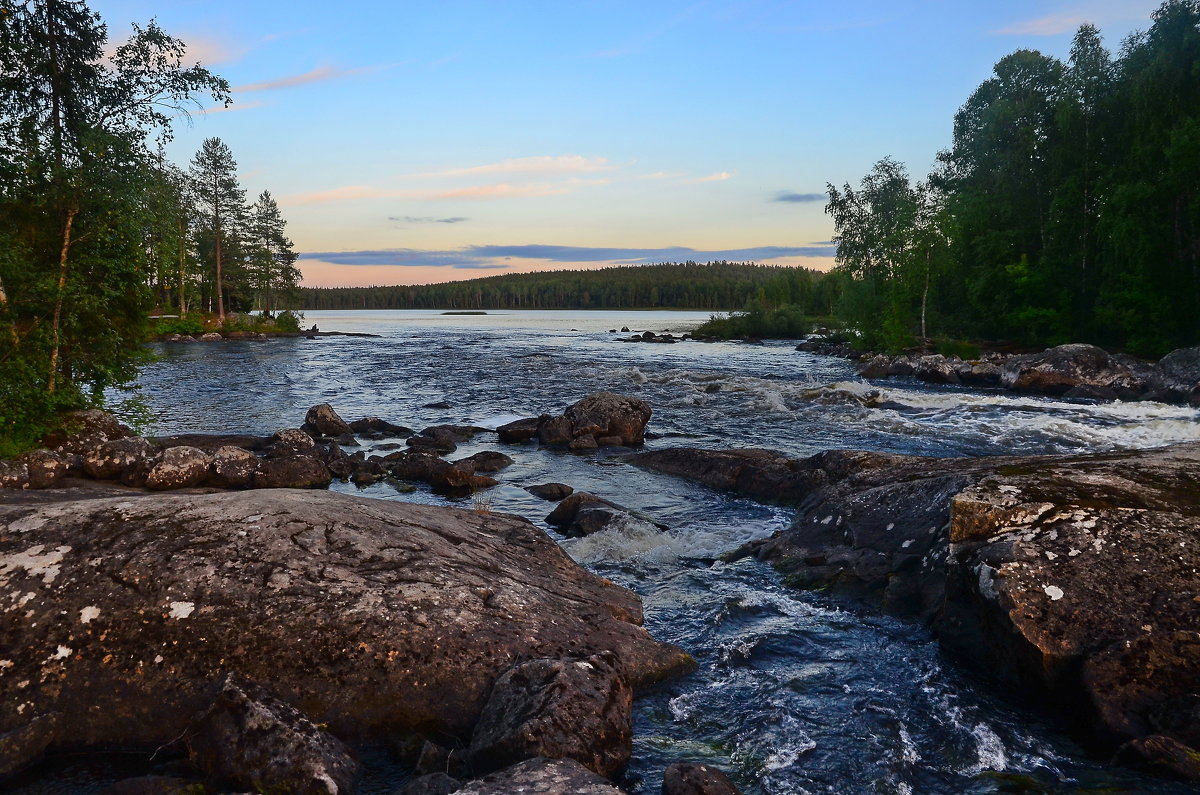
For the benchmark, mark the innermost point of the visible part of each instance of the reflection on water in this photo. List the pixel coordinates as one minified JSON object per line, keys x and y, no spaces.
{"x":795,"y":694}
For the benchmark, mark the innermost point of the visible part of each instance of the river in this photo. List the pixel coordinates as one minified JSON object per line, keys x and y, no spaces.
{"x":795,"y":693}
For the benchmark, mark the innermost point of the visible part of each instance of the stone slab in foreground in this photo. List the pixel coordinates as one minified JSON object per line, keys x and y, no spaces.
{"x":120,"y":618}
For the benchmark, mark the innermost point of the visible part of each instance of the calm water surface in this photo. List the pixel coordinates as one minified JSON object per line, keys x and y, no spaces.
{"x":795,"y":694}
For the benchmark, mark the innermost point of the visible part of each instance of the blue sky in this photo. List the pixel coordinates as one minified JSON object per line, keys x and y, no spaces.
{"x":422,"y":142}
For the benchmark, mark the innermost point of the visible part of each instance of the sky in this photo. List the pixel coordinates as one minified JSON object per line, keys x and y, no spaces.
{"x":418,"y":142}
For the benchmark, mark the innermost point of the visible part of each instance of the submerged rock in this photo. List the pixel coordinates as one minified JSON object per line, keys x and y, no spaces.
{"x":374,"y":618}
{"x":582,"y":514}
{"x":550,"y":491}
{"x":683,"y":778}
{"x":379,"y":428}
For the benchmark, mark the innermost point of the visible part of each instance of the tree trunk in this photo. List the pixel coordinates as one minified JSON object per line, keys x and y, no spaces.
{"x":182,"y":254}
{"x":220,"y":286}
{"x":12,"y":325}
{"x":925,"y":296}
{"x":58,"y":300}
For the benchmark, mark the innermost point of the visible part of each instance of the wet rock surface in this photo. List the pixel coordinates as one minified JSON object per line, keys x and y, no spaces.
{"x":1073,"y":575}
{"x":692,"y":779}
{"x":372,"y":618}
{"x":559,"y":709}
{"x":582,"y":514}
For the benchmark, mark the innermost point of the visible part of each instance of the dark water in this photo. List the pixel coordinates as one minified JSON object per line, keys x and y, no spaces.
{"x":795,"y":694}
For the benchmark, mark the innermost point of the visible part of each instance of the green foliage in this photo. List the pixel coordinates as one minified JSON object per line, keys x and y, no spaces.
{"x":188,"y":325}
{"x":288,"y":320}
{"x":76,"y":172}
{"x":966,"y":351}
{"x":1067,"y":208}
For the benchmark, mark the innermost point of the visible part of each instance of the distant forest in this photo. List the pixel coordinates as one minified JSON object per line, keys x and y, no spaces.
{"x":716,"y":286}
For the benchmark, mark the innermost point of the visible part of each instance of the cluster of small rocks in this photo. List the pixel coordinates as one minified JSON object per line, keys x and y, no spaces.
{"x":213,"y":336}
{"x":1072,"y":371}
{"x":312,"y":456}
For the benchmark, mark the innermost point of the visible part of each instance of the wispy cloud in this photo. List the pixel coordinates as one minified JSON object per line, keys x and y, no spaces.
{"x":223,"y":109}
{"x":489,"y":256}
{"x":540,"y":164}
{"x":720,"y":176}
{"x":410,"y":219}
{"x":1052,"y":25}
{"x":321,"y":73}
{"x":799,"y":198}
{"x":500,"y":190}
{"x":211,"y":49}
{"x":663,"y":175}
{"x":1068,"y":19}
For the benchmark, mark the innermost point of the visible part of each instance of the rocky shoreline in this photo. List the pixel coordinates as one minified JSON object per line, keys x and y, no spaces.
{"x":1076,"y":371}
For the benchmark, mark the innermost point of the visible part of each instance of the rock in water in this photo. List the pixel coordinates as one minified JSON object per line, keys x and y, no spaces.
{"x":253,"y":741}
{"x":371,"y":617}
{"x":692,"y":779}
{"x":560,"y":709}
{"x":606,"y":414}
{"x":322,"y":420}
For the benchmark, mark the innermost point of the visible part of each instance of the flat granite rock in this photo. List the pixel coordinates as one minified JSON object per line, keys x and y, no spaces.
{"x":121,"y":617}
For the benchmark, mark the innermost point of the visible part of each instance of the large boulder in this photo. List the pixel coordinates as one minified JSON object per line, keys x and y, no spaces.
{"x":937,"y":369}
{"x":605,"y":415}
{"x":1180,"y":373}
{"x":1055,"y":371}
{"x":322,"y":420}
{"x":559,"y":709}
{"x":46,"y":467}
{"x":373,"y":618}
{"x":178,"y":468}
{"x":232,"y":467}
{"x":84,"y":430}
{"x":112,"y":459}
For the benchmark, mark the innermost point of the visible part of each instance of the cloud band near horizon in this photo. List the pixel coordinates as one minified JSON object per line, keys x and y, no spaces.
{"x":484,"y":257}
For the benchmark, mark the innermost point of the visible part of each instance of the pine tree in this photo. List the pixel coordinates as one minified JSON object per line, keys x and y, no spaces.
{"x":272,"y":260}
{"x":222,"y":202}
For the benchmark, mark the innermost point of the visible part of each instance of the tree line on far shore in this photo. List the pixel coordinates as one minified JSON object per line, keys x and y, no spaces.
{"x":716,"y":286}
{"x":1067,"y":208}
